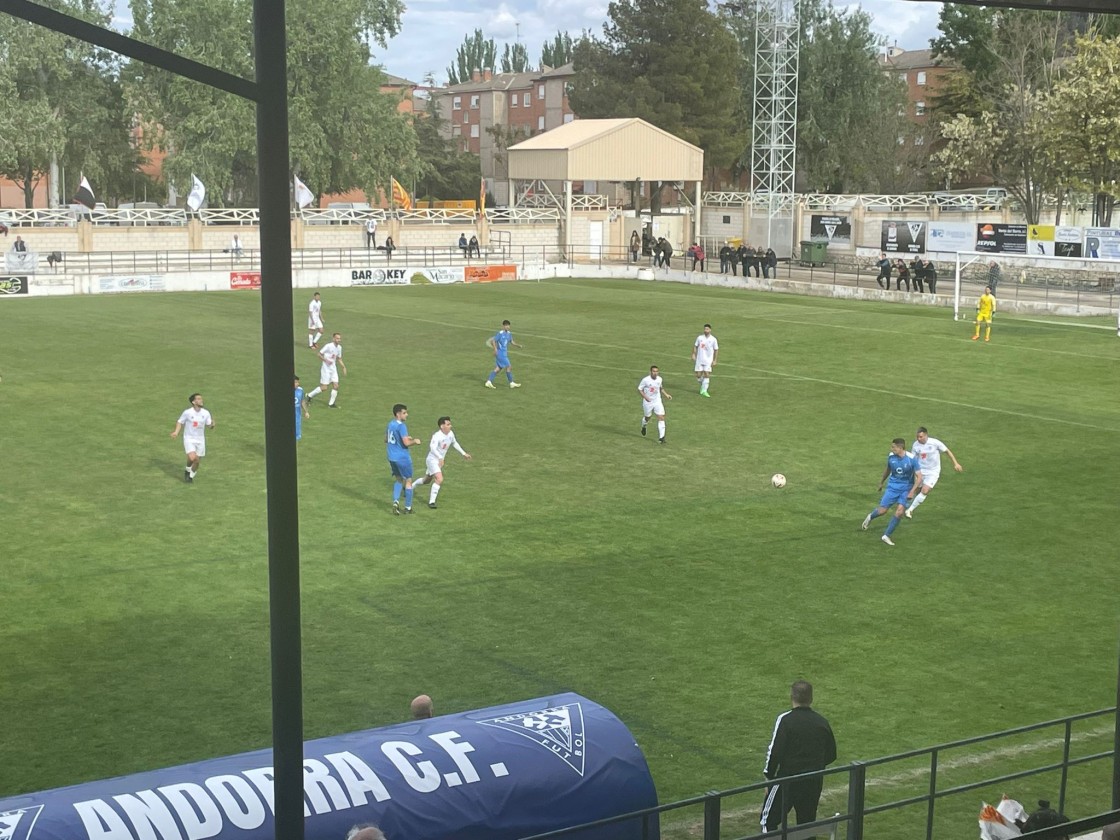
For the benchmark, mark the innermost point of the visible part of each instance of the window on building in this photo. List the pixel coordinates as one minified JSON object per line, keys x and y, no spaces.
{"x":527,"y":99}
{"x":466,"y":117}
{"x":540,"y":91}
{"x":919,"y":108}
{"x":920,"y":140}
{"x":540,"y":123}
{"x":474,"y":101}
{"x":457,"y":103}
{"x":474,"y":130}
{"x":456,"y":131}
{"x":727,"y":220}
{"x":902,"y":139}
{"x":902,"y":77}
{"x":568,"y":118}
{"x":513,"y":101}
{"x":921,"y":77}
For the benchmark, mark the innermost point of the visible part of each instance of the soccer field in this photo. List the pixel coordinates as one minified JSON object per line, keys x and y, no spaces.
{"x":670,"y":583}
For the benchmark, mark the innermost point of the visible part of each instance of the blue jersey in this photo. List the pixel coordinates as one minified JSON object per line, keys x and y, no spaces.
{"x":502,"y":341}
{"x":299,"y":401}
{"x":901,"y":468}
{"x":395,"y":450}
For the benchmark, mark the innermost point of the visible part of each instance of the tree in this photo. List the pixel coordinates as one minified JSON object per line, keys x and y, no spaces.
{"x":445,"y":171}
{"x":557,"y":52}
{"x":688,"y":89}
{"x":515,"y":58}
{"x":345,"y":133}
{"x":475,"y":53}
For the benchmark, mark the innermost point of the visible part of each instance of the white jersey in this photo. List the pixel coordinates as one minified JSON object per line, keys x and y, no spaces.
{"x":706,"y":347}
{"x":315,"y":313}
{"x":194,"y":422}
{"x":929,"y":455}
{"x":441,"y":443}
{"x":651,"y":389}
{"x":331,"y":353}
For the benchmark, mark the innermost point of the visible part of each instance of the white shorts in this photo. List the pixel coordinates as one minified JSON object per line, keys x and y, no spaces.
{"x":195,"y":445}
{"x":431,"y":465}
{"x":328,"y":373}
{"x":314,"y":322}
{"x":649,"y":408}
{"x":930,"y":479}
{"x":700,"y":366}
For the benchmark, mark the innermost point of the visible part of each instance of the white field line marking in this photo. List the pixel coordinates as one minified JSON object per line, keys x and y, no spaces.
{"x":1071,"y":324}
{"x":793,"y":377}
{"x":903,"y":777}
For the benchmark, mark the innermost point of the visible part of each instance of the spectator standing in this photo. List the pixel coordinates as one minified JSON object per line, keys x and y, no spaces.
{"x":770,"y":263}
{"x":802,"y":743}
{"x":696,"y":251}
{"x":635,"y":246}
{"x":995,"y":274}
{"x":371,"y":233}
{"x":930,"y":275}
{"x":902,"y":275}
{"x":754,"y":260}
{"x":19,"y":246}
{"x":744,"y":257}
{"x":726,"y":258}
{"x":235,"y":247}
{"x":884,"y":271}
{"x":917,"y":274}
{"x":666,"y":252}
{"x":647,"y":242}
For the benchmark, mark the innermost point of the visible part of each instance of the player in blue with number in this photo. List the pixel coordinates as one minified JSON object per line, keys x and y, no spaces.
{"x":903,"y":477}
{"x":500,"y":344}
{"x":301,"y":409}
{"x":397,"y":441}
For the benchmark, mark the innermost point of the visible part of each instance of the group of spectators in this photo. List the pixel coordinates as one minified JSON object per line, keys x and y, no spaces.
{"x":470,"y":248}
{"x":922,"y":273}
{"x":751,"y":259}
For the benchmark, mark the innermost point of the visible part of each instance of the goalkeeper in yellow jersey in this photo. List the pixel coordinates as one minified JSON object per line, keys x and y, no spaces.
{"x":985,"y":309}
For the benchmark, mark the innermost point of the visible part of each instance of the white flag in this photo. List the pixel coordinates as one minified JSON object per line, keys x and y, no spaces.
{"x":304,"y":196}
{"x":198,"y":194}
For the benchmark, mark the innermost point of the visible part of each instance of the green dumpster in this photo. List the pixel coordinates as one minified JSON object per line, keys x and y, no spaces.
{"x":813,"y":253}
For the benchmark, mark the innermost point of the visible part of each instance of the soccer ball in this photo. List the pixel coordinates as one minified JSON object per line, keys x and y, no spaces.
{"x":778,"y":480}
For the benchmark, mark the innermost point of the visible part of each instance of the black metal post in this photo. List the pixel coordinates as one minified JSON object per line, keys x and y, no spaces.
{"x":1116,"y":742}
{"x":857,"y":799}
{"x":279,"y":418}
{"x":712,"y":815}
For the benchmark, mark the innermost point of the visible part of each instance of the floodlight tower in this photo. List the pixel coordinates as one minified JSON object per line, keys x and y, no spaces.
{"x":774,"y":131}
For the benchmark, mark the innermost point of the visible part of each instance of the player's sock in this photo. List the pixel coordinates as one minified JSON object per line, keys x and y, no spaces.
{"x":704,"y":385}
{"x":661,"y":428}
{"x":408,"y":497}
{"x":874,"y":515}
{"x":397,"y":488}
{"x":315,"y":393}
{"x":987,"y":333}
{"x":416,"y":482}
{"x":977,"y":333}
{"x":892,"y":525}
{"x":318,"y":335}
{"x":434,"y":493}
{"x":493,"y":373}
{"x":310,"y":340}
{"x":334,"y":396}
{"x":509,"y":376}
{"x":921,"y":497}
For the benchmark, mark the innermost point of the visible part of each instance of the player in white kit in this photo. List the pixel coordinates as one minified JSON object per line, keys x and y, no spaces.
{"x":928,"y":452}
{"x":652,"y":389}
{"x":442,"y":440}
{"x":705,"y":353}
{"x":193,"y":423}
{"x":314,"y":321}
{"x":331,"y":356}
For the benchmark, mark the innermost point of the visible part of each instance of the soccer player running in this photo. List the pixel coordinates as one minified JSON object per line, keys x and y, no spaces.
{"x":442,"y":440}
{"x":500,"y":344}
{"x":331,"y":357}
{"x":301,"y":409}
{"x":397,"y":441}
{"x":652,"y":388}
{"x":705,"y":354}
{"x":903,"y":477}
{"x":928,"y":452}
{"x":314,"y":321}
{"x":193,"y":423}
{"x":985,"y":309}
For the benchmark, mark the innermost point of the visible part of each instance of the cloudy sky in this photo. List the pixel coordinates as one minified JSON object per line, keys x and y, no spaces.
{"x":432,"y":30}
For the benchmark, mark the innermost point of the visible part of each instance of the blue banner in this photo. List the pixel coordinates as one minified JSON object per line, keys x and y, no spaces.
{"x":495,"y":774}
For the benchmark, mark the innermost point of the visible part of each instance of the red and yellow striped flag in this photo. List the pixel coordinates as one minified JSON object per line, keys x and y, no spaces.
{"x":482,"y":198}
{"x":401,"y":198}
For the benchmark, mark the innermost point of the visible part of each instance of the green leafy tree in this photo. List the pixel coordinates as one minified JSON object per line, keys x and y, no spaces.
{"x":515,"y":58}
{"x":688,"y":89}
{"x":558,"y":51}
{"x":445,"y":171}
{"x":345,"y":133}
{"x":475,"y":53}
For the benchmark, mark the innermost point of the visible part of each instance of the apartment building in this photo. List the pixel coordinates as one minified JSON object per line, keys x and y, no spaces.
{"x":493,"y":111}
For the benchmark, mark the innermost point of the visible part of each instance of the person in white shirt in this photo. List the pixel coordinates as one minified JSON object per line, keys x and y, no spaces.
{"x":314,"y":321}
{"x":371,"y":233}
{"x":652,"y":389}
{"x":442,"y":440}
{"x":235,"y":247}
{"x":928,"y":452}
{"x":705,"y":354}
{"x":193,"y":423}
{"x":331,"y":356}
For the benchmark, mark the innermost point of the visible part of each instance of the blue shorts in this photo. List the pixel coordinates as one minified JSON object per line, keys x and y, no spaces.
{"x":895,"y":497}
{"x":401,"y":469}
{"x":501,"y":360}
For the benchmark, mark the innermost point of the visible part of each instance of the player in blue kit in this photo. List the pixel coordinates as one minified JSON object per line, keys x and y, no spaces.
{"x":500,"y":344}
{"x":301,"y":409}
{"x":903,"y":477}
{"x":397,"y":441}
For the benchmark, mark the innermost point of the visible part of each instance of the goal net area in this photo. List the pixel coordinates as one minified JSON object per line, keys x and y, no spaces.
{"x":1078,"y":282}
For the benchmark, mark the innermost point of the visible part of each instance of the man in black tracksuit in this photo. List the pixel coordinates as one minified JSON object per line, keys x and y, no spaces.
{"x":802,"y":742}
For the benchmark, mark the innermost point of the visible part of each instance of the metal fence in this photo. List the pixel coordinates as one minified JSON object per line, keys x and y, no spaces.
{"x":713,"y":816}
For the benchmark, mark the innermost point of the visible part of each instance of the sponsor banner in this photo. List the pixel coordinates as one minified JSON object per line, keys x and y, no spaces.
{"x":380,"y":276}
{"x":494,"y":774}
{"x":835,"y":230}
{"x":453,"y":274}
{"x":245,"y":280}
{"x":21,"y":262}
{"x":13,"y":286}
{"x":904,"y":237}
{"x":489,"y":273}
{"x":132,"y":283}
{"x":1054,"y":241}
{"x":950,"y":237}
{"x":996,"y":238}
{"x":1102,"y":243}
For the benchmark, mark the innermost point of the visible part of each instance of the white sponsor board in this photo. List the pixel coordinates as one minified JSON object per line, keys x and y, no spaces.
{"x":1102,"y":243}
{"x":132,"y":283}
{"x":950,"y":237}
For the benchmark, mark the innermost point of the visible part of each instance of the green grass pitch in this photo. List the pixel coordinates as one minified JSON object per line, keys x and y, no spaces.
{"x":670,"y":583}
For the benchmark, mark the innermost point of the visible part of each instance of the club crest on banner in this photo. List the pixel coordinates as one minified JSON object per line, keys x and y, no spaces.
{"x":17,"y":825}
{"x":559,"y":730}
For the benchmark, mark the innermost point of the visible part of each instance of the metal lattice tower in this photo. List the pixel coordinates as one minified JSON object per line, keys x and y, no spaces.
{"x":774,"y":130}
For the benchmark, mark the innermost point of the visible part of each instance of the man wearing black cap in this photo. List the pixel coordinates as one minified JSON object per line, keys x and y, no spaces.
{"x":802,"y":742}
